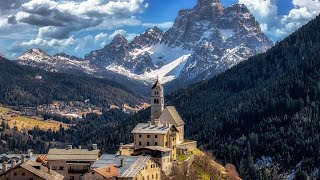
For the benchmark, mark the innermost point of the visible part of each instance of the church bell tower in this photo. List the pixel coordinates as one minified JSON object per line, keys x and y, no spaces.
{"x":157,"y":100}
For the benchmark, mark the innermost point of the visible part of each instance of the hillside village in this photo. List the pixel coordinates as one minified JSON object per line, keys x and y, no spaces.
{"x":159,"y":151}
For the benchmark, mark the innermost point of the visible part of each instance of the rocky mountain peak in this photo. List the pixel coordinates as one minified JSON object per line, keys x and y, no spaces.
{"x":150,"y":37}
{"x":34,"y":54}
{"x":119,"y":40}
{"x":66,"y":56}
{"x":207,"y":9}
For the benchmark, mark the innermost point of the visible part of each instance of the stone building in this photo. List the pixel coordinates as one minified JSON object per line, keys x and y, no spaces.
{"x":72,"y":163}
{"x":129,"y":167}
{"x":162,"y":137}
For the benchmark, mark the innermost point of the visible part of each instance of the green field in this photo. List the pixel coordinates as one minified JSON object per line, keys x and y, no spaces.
{"x":27,"y":123}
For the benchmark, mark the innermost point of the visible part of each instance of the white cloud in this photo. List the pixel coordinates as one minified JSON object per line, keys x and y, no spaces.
{"x":276,"y":26}
{"x":164,"y":25}
{"x":60,"y":19}
{"x":124,"y":33}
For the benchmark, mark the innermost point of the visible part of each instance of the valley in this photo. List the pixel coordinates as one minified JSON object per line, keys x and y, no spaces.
{"x":25,"y":123}
{"x":211,"y":93}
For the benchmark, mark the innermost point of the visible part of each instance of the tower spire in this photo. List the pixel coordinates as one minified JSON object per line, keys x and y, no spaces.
{"x":157,"y":100}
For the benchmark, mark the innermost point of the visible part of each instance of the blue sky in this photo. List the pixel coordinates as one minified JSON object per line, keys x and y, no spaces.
{"x":80,"y":26}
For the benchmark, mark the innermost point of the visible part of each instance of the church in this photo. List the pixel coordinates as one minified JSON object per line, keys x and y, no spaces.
{"x":162,"y":137}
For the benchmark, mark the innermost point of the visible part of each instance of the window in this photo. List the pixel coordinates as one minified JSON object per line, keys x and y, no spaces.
{"x":156,"y":92}
{"x":147,"y":143}
{"x":139,"y":143}
{"x":148,"y":136}
{"x":71,"y":177}
{"x":23,"y":174}
{"x":92,"y":172}
{"x":173,"y":139}
{"x":156,"y":101}
{"x":54,"y":168}
{"x":61,"y":168}
{"x":166,"y":143}
{"x":155,"y":136}
{"x":152,"y":176}
{"x":155,"y":143}
{"x":139,"y":135}
{"x":156,"y":176}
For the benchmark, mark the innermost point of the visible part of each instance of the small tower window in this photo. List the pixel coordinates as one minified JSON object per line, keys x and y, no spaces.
{"x":156,"y":92}
{"x":156,"y":101}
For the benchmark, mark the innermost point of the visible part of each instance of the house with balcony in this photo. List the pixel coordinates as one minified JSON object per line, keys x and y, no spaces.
{"x":72,"y":163}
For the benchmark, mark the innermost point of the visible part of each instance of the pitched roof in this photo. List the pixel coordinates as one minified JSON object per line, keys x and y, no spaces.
{"x":108,"y":171}
{"x":157,"y":148}
{"x":152,"y":129}
{"x":43,"y":172}
{"x":41,"y":159}
{"x":157,"y":84}
{"x":73,"y":154}
{"x":174,"y":114}
{"x":132,"y":165}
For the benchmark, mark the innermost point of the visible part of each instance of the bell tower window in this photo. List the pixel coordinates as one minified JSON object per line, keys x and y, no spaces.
{"x":156,"y":92}
{"x":156,"y":101}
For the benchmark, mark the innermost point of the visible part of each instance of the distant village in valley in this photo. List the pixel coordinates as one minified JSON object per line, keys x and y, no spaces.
{"x":159,"y":150}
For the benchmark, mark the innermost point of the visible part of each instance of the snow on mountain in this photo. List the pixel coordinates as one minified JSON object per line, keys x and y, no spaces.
{"x":203,"y":41}
{"x":209,"y":38}
{"x":2,"y":56}
{"x":57,"y":63}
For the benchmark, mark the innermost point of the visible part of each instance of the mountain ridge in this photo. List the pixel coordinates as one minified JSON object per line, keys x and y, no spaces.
{"x":203,"y":41}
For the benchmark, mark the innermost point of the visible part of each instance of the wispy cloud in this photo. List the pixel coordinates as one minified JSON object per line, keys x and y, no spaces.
{"x":163,"y":25}
{"x":279,"y":26}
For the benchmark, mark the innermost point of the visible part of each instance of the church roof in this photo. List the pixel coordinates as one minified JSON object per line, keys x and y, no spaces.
{"x":152,"y":129}
{"x":175,"y":115}
{"x":157,"y":84}
{"x":158,"y":148}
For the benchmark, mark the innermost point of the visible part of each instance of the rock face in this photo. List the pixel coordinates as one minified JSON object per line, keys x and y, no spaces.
{"x":57,"y":63}
{"x":204,"y":41}
{"x":129,"y":56}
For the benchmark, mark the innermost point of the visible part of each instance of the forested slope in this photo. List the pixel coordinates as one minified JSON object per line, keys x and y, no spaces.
{"x":266,"y":106}
{"x":22,"y":85}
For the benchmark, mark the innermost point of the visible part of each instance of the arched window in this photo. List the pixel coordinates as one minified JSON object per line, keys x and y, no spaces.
{"x":156,"y":101}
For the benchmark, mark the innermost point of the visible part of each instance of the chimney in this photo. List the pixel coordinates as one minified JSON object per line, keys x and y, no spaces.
{"x":13,"y":163}
{"x":69,"y":147}
{"x":79,"y":147}
{"x":121,"y":162}
{"x":49,"y":169}
{"x":94,"y":146}
{"x":4,"y":166}
{"x":30,"y":153}
{"x":22,"y":158}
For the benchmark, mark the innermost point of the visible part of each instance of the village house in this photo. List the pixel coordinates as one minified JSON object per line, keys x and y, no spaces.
{"x":72,"y":163}
{"x":108,"y":172}
{"x":28,"y":170}
{"x":129,"y":167}
{"x":162,"y":137}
